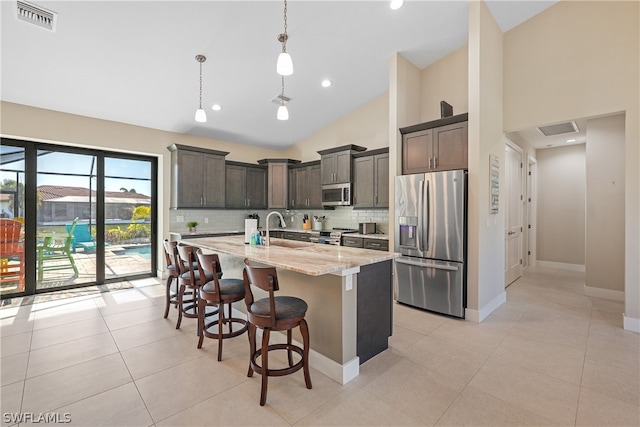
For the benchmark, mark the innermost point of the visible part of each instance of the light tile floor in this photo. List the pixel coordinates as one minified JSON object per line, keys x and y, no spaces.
{"x":548,"y":356}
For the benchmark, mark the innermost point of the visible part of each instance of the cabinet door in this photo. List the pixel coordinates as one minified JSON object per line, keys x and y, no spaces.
{"x":417,"y":152}
{"x":450,"y":147}
{"x":343,"y":167}
{"x":214,"y":181}
{"x":314,"y":188}
{"x":235,"y":187}
{"x":328,"y":165}
{"x":256,"y":188}
{"x":190,"y":185}
{"x":292,"y":188}
{"x":381,"y":181}
{"x":301,"y":195}
{"x":363,"y":191}
{"x":277,"y":185}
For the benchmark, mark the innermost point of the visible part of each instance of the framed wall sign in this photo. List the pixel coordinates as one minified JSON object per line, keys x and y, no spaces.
{"x":494,"y":185}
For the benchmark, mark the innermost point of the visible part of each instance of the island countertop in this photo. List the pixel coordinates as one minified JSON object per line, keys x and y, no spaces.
{"x":302,"y":257}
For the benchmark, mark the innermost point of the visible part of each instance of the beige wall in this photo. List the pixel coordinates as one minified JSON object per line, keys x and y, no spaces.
{"x":485,"y":266}
{"x":561,"y":204}
{"x":580,"y":60}
{"x":446,"y":80}
{"x":367,"y":126}
{"x":605,"y":203}
{"x":23,"y":122}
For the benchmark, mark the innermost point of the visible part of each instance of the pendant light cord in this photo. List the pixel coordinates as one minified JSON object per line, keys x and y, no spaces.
{"x":200,"y":104}
{"x":284,"y":39}
{"x":282,"y":97}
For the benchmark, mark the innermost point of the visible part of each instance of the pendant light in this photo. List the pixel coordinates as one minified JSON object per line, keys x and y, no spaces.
{"x":201,"y":116}
{"x":283,"y":113}
{"x":284,"y":66}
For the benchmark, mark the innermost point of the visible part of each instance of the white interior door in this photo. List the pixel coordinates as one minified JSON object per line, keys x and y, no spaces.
{"x":514,"y":214}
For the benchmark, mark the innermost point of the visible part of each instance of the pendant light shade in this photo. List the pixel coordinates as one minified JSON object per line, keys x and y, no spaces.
{"x":283,"y":113}
{"x":201,"y":116}
{"x":284,"y":67}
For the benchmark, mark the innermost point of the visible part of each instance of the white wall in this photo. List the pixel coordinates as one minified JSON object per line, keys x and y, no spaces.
{"x":368,"y":126}
{"x":446,"y":80}
{"x":594,"y":48}
{"x":561,"y":205}
{"x":485,"y":266}
{"x":605,"y":204}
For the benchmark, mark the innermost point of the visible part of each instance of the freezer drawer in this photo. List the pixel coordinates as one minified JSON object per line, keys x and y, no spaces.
{"x":429,"y":284}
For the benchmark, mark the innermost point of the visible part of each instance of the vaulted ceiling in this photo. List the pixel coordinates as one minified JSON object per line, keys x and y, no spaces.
{"x":134,"y":61}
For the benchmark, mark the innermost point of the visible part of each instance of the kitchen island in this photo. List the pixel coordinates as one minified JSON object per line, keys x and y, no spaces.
{"x":348,"y":291}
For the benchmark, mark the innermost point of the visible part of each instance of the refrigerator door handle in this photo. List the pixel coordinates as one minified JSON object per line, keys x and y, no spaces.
{"x":428,"y":217}
{"x":427,"y":265}
{"x":420,"y":218}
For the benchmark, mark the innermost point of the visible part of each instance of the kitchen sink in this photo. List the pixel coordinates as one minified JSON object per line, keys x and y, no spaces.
{"x":288,"y":243}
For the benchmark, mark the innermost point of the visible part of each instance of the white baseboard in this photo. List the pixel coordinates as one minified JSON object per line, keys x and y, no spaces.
{"x":561,"y":265}
{"x":341,"y":374}
{"x":479,"y":315}
{"x":631,"y":324}
{"x":609,"y":294}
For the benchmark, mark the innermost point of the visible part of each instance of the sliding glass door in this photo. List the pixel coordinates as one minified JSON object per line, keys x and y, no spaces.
{"x":88,"y":215}
{"x":128,"y":213}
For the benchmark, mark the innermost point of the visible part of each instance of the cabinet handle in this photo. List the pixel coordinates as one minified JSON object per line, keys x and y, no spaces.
{"x":248,"y":202}
{"x":201,"y":200}
{"x":430,"y":158}
{"x":435,"y":162}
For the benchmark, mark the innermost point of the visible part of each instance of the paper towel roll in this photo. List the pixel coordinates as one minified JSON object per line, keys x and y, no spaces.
{"x":249,"y":226}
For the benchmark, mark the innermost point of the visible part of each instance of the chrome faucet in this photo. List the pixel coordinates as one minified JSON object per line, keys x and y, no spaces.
{"x":284,"y":225}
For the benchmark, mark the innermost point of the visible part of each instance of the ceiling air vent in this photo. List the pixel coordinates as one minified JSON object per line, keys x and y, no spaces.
{"x":558,"y":129}
{"x":281,"y":100}
{"x":36,"y":15}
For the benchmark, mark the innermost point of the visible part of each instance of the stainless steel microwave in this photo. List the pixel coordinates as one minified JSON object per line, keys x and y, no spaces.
{"x":336,"y":194}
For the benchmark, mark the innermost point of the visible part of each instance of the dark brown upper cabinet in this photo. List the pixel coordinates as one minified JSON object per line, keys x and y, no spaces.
{"x":197,"y":177}
{"x":246,"y":186}
{"x":305,"y":190}
{"x":371,"y":179}
{"x":435,"y":146}
{"x":336,"y":163}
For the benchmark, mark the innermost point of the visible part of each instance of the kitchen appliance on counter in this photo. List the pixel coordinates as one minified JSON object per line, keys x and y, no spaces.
{"x":430,"y":216}
{"x":367,"y":228}
{"x":256,"y":217}
{"x":336,"y":194}
{"x":330,"y":237}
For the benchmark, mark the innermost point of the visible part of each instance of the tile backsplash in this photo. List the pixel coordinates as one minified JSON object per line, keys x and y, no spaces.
{"x":232,"y":220}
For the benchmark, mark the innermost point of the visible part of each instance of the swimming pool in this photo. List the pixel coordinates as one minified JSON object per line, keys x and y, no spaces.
{"x":143,"y":251}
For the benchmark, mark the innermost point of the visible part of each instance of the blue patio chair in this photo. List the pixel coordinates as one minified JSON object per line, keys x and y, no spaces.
{"x":82,"y":238}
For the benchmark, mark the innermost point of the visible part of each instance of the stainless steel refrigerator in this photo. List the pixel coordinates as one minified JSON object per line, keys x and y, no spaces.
{"x":430,"y":236}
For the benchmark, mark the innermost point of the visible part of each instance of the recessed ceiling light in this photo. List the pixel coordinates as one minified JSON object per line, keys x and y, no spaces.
{"x":216,"y":107}
{"x":396,"y":4}
{"x":326,"y":83}
{"x":571,"y":140}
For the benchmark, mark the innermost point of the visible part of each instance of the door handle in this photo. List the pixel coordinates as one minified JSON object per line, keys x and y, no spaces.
{"x":427,"y":265}
{"x":511,"y":232}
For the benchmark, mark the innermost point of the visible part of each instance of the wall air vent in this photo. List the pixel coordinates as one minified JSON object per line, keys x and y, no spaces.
{"x":36,"y":15}
{"x":281,"y":100}
{"x":558,"y":129}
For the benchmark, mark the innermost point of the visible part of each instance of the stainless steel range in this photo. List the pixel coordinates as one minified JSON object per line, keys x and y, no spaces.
{"x":330,"y":237}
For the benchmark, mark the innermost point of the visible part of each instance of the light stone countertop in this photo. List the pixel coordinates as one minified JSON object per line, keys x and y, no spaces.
{"x":302,"y":257}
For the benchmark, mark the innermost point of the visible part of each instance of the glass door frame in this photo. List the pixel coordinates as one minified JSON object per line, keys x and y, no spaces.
{"x":31,"y":203}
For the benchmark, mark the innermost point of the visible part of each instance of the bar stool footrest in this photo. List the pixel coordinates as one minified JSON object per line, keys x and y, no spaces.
{"x":282,"y":371}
